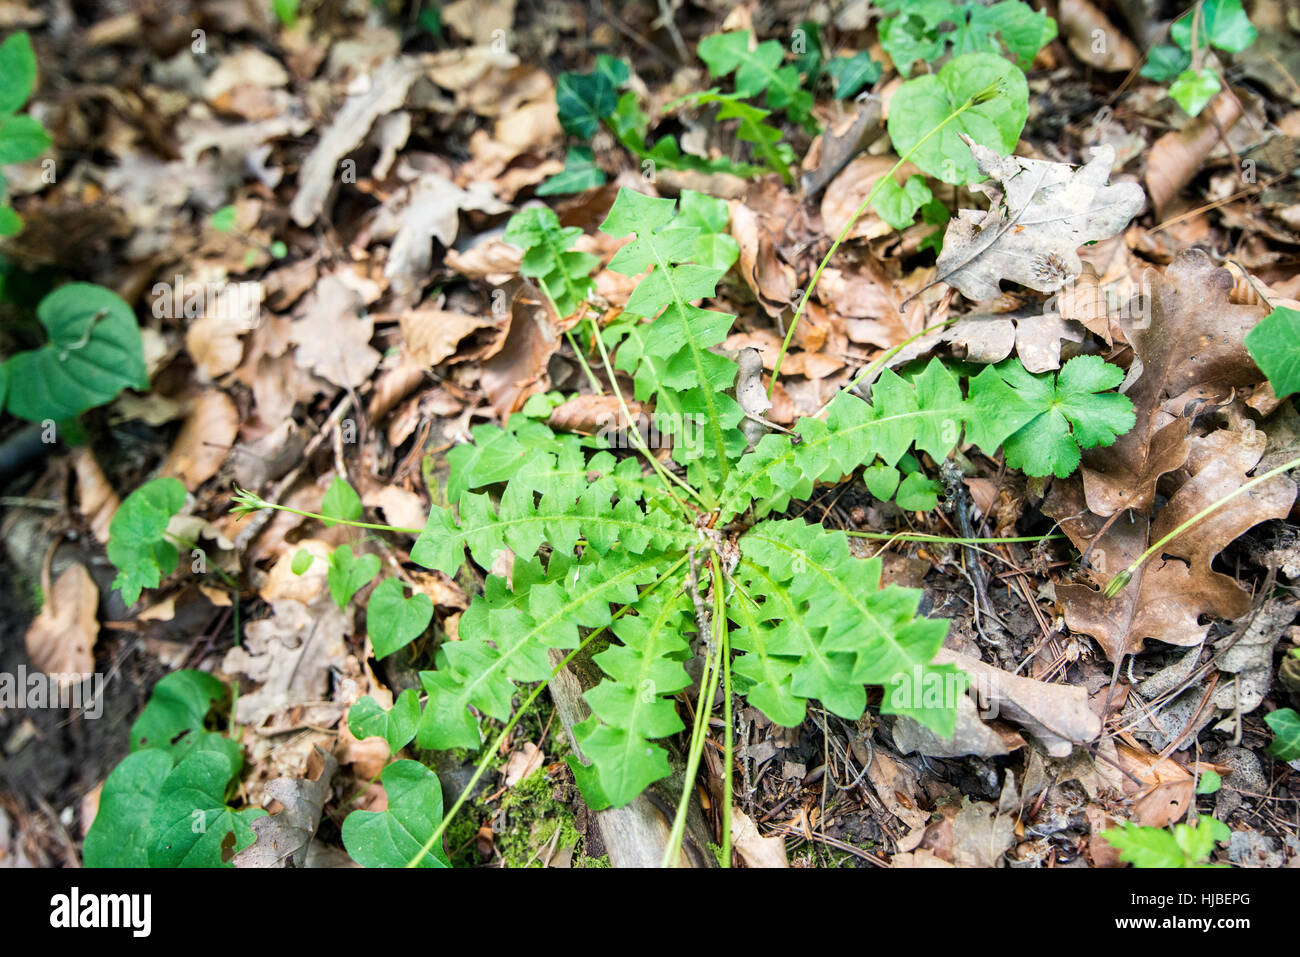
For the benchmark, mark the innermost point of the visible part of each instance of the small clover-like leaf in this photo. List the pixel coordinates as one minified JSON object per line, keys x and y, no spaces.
{"x":348,"y":575}
{"x":366,"y":719}
{"x":393,"y":837}
{"x":393,"y":620}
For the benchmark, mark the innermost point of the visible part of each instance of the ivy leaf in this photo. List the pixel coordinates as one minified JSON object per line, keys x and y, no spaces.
{"x":1223,"y":22}
{"x":191,"y":824}
{"x":1057,"y":415}
{"x":136,"y":543}
{"x":1194,"y":89}
{"x":119,"y":836}
{"x":1286,"y":725}
{"x":1274,"y":344}
{"x":341,"y":501}
{"x":583,"y":100}
{"x":852,"y":73}
{"x":926,"y":101}
{"x":348,"y":575}
{"x":392,"y":837}
{"x":1165,"y":62}
{"x":17,"y":71}
{"x":366,"y":719}
{"x":392,"y":619}
{"x":580,"y":173}
{"x":912,"y":36}
{"x":564,"y":272}
{"x":897,"y":205}
{"x":93,"y":353}
{"x":1182,"y":846}
{"x":172,"y":721}
{"x":1023,"y":30}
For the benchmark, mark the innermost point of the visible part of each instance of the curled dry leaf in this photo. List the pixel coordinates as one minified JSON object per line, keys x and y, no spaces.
{"x":283,"y":837}
{"x":61,"y":636}
{"x":214,"y":344}
{"x":96,"y":499}
{"x":1039,"y":214}
{"x":1058,"y":716}
{"x":588,"y":414}
{"x":755,"y":849}
{"x":519,"y":369}
{"x":1168,"y":595}
{"x":204,"y":440}
{"x":971,"y":736}
{"x":1187,"y":338}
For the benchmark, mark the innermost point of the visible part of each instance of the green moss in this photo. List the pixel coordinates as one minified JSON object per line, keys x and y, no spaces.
{"x":532,"y":814}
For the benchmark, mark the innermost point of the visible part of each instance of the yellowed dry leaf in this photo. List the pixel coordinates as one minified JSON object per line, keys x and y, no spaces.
{"x":61,"y":636}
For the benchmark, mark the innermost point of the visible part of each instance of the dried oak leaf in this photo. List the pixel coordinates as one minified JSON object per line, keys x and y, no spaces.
{"x":332,"y":337}
{"x":1040,"y":213}
{"x":1187,"y":343}
{"x":1170,"y":593}
{"x":283,"y":837}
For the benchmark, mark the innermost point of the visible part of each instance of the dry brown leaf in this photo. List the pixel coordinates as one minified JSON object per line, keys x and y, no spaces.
{"x":401,"y":507}
{"x":589,"y":414}
{"x":61,"y":636}
{"x":432,"y":334}
{"x":332,"y":336}
{"x":1094,"y":39}
{"x":96,"y":499}
{"x":755,"y":849}
{"x":204,"y":440}
{"x":282,"y":837}
{"x":847,"y":191}
{"x":519,"y":369}
{"x":1178,"y":156}
{"x":1167,"y":597}
{"x":214,"y":344}
{"x":1039,"y":214}
{"x":523,"y":762}
{"x":1190,"y":348}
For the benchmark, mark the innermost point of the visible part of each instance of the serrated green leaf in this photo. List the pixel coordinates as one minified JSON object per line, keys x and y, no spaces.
{"x":341,"y":501}
{"x":549,"y":257}
{"x":924,"y":102}
{"x":136,"y":543}
{"x":766,"y":139}
{"x":393,"y":621}
{"x":349,"y":574}
{"x":1183,"y":846}
{"x":759,"y":70}
{"x":93,"y":353}
{"x":366,"y":719}
{"x":391,"y":838}
{"x":1274,"y":344}
{"x":580,"y":173}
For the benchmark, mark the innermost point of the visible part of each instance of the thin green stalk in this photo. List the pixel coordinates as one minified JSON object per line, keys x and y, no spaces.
{"x":980,"y":97}
{"x":708,"y":688}
{"x":720,"y":611}
{"x":246,"y":502}
{"x":924,"y":537}
{"x":527,"y":703}
{"x":582,"y":360}
{"x":1117,"y":584}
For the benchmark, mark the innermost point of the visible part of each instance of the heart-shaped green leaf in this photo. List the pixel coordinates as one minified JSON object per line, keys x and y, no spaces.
{"x":172,"y":721}
{"x":341,"y":501}
{"x":366,"y":719}
{"x":17,"y":72}
{"x":191,"y":825}
{"x":391,"y":838}
{"x":393,"y":620}
{"x":119,"y":835}
{"x":348,"y":575}
{"x":94,"y":352}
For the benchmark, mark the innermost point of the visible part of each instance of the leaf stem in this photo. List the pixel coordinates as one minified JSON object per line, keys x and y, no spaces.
{"x":699,"y":731}
{"x":1118,"y":583}
{"x":844,"y":233}
{"x":720,"y":611}
{"x":488,"y":753}
{"x":251,"y":502}
{"x":925,"y":537}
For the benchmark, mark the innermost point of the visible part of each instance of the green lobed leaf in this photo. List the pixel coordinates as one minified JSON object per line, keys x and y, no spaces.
{"x":759,"y":70}
{"x":1181,"y":846}
{"x":136,"y":543}
{"x":172,"y":721}
{"x":391,"y":838}
{"x":1194,"y":89}
{"x":580,"y":174}
{"x":1285,"y":723}
{"x":1222,"y":22}
{"x":563,"y":272}
{"x":583,"y":100}
{"x":766,"y":139}
{"x":1054,"y":416}
{"x":1165,"y":62}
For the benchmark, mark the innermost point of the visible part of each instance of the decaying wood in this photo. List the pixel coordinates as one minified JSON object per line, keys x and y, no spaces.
{"x":635,"y":835}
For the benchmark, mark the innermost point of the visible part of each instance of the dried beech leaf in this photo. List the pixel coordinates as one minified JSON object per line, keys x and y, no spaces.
{"x":1040,"y":214}
{"x":61,"y":636}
